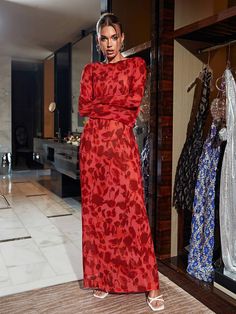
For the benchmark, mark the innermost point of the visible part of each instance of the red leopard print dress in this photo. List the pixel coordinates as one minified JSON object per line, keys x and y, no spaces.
{"x":118,"y":253}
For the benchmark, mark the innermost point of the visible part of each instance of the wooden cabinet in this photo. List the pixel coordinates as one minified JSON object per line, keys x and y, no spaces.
{"x":206,"y":35}
{"x":209,"y":33}
{"x":214,"y":31}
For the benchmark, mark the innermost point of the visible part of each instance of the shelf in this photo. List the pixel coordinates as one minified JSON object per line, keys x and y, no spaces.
{"x":215,"y":30}
{"x":137,"y":49}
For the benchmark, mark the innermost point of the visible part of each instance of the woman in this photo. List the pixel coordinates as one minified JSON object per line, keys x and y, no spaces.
{"x":118,"y":254}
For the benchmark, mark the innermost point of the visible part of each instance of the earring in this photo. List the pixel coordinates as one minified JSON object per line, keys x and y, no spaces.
{"x":98,"y":48}
{"x":122,"y":47}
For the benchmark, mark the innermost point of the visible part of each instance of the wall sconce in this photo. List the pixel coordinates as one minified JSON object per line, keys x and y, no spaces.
{"x":52,"y":107}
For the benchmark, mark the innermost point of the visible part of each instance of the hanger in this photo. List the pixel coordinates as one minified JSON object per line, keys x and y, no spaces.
{"x":205,"y":66}
{"x":208,"y":61}
{"x":222,"y":83}
{"x":228,"y":65}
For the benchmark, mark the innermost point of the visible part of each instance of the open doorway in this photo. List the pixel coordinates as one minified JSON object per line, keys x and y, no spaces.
{"x":27,"y":93}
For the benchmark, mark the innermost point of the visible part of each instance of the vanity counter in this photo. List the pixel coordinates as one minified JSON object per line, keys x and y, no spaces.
{"x":63,"y":160}
{"x":61,"y":156}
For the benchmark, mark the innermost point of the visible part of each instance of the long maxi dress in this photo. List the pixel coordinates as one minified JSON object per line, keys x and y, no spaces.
{"x":187,"y":168}
{"x":118,"y":252}
{"x":200,"y":258}
{"x":228,"y":182}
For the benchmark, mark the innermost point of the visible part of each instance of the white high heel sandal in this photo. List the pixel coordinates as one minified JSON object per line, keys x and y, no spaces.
{"x":157,"y":298}
{"x":102,"y":296}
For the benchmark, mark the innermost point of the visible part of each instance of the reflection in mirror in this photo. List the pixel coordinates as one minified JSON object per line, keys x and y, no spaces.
{"x":81,"y":55}
{"x":52,"y":107}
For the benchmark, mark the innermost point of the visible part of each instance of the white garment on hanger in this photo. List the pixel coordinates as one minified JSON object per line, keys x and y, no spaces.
{"x":228,"y":183}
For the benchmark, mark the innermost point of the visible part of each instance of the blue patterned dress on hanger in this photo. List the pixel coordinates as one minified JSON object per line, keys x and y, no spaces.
{"x":200,"y":258}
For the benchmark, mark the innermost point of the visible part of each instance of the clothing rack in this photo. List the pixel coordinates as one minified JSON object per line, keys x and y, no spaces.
{"x":217,"y":47}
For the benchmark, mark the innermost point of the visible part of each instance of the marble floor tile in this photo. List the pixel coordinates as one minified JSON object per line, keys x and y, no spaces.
{"x":54,"y":197}
{"x":71,"y":226}
{"x":67,"y":223}
{"x":10,"y":225}
{"x":78,"y":215}
{"x":53,"y":255}
{"x":72,"y":202}
{"x":73,"y":206}
{"x":21,"y":252}
{"x":30,"y":215}
{"x":47,"y":235}
{"x":64,"y":258}
{"x":75,"y":236}
{"x":8,"y":187}
{"x":47,"y":206}
{"x":16,"y":199}
{"x":39,"y":186}
{"x":3,"y":202}
{"x":28,"y":189}
{"x":4,"y":274}
{"x":30,"y":273}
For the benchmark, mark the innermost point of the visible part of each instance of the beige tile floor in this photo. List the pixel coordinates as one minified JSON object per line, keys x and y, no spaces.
{"x":40,"y":235}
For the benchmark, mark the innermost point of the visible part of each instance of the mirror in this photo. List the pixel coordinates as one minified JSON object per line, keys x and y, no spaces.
{"x":52,"y":107}
{"x":81,"y":55}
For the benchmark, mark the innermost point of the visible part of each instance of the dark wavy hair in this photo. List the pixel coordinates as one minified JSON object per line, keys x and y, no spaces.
{"x":108,"y":19}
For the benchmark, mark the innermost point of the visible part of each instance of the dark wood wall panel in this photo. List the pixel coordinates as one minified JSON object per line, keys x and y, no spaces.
{"x":48,"y":130}
{"x":161,"y":111}
{"x":137,"y":26}
{"x":62,"y":89}
{"x":152,"y":213}
{"x":162,"y":126}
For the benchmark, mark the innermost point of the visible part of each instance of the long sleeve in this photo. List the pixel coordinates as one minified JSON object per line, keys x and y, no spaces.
{"x":86,"y":91}
{"x":113,"y":91}
{"x":134,"y":97}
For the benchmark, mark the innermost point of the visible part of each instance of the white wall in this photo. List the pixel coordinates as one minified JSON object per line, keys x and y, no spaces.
{"x":5,"y":104}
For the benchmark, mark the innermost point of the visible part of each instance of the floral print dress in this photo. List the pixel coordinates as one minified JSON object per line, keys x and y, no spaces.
{"x":200,"y":258}
{"x":118,"y":252}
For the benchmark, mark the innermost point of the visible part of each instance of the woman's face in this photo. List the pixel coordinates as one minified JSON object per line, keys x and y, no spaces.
{"x":110,"y":41}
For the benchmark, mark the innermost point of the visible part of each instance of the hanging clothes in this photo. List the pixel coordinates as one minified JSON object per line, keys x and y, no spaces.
{"x":186,"y":173}
{"x":145,"y":162}
{"x":200,"y":258}
{"x":217,"y":256}
{"x":228,"y":182}
{"x":144,"y":117}
{"x":218,"y":108}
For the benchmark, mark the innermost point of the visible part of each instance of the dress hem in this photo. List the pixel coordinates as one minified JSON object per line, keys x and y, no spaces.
{"x":89,"y":286}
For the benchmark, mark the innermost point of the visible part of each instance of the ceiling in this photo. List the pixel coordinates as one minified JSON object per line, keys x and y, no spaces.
{"x":34,"y":29}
